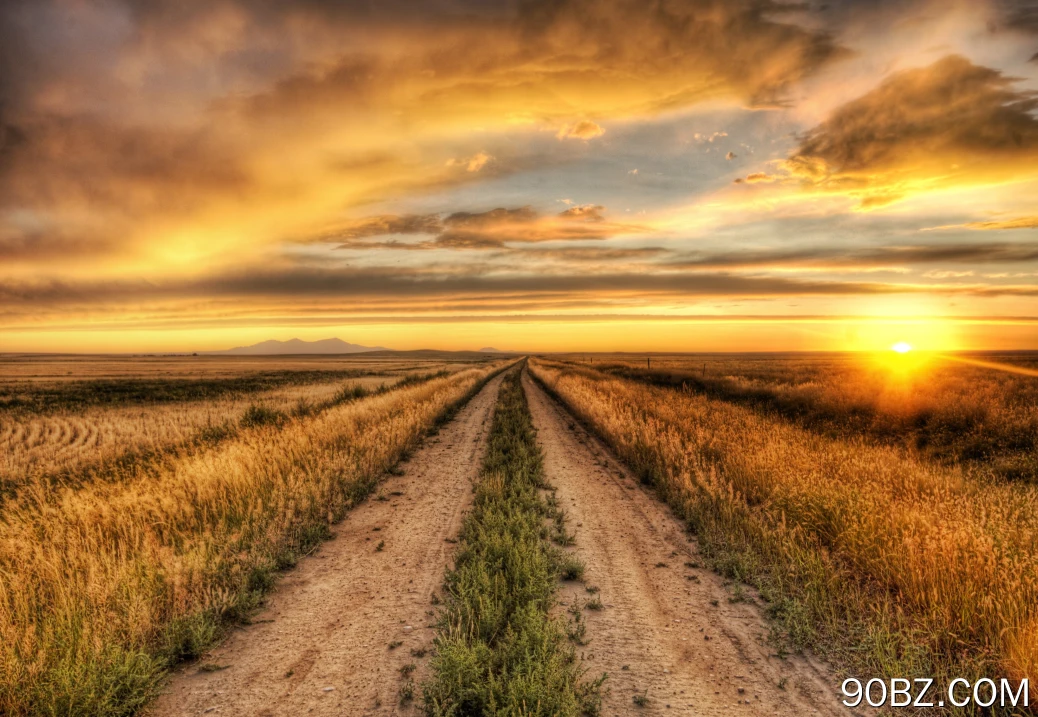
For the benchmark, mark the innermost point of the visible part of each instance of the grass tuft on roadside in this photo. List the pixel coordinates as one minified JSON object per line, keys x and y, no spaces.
{"x":501,"y":649}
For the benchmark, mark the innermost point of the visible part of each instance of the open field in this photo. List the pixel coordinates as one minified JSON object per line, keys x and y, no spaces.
{"x":566,"y":539}
{"x":105,"y":440}
{"x":59,"y":368}
{"x":43,"y":384}
{"x":942,"y":407}
{"x":891,"y":564}
{"x":131,"y":413}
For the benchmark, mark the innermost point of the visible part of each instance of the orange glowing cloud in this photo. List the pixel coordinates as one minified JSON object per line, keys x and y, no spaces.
{"x":952,"y":123}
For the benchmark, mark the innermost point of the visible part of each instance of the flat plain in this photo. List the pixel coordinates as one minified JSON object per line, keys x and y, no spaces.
{"x":465,"y":534}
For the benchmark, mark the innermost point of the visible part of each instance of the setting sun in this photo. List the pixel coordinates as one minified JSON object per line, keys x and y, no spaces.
{"x":901,"y":347}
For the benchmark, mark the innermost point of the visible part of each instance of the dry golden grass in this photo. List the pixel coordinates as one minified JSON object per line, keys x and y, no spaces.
{"x":43,"y":368}
{"x":105,"y":585}
{"x":937,"y":406}
{"x":891,"y":564}
{"x":1021,"y":655}
{"x":31,"y":445}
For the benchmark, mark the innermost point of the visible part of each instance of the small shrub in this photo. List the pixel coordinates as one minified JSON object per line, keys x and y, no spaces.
{"x":257,"y":415}
{"x":571,"y":567}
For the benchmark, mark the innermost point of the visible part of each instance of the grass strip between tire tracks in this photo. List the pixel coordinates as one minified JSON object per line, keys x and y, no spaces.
{"x":502,"y":648}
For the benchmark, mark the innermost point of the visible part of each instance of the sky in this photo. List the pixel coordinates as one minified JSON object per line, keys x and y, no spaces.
{"x":567,"y":175}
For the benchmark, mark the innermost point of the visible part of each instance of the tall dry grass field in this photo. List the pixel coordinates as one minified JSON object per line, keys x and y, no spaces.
{"x":893,"y":565}
{"x":104,"y":585}
{"x":35,"y":369}
{"x":37,"y":445}
{"x":937,"y":406}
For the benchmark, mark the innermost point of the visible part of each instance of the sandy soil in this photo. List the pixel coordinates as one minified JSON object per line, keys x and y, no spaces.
{"x":334,"y":636}
{"x":667,"y":630}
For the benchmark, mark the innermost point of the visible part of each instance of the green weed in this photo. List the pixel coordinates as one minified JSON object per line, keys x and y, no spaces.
{"x":500,"y":649}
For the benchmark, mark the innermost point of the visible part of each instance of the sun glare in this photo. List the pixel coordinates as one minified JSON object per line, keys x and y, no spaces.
{"x":903,"y":360}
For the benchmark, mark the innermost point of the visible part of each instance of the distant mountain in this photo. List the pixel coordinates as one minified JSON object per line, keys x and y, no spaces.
{"x":490,"y":350}
{"x":298,"y":346}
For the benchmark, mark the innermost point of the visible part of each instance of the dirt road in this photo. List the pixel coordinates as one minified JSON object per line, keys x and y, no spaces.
{"x":667,"y":630}
{"x":334,"y":636}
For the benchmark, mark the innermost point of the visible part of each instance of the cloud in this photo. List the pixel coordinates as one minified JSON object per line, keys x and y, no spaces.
{"x":491,"y":229}
{"x":190,"y":154}
{"x":22,"y":239}
{"x":952,"y":109}
{"x":757,"y":178}
{"x":584,"y":129}
{"x":474,"y":163}
{"x":54,"y":161}
{"x":995,"y":224}
{"x":204,"y":131}
{"x":385,"y":224}
{"x":952,"y":123}
{"x":861,"y":258}
{"x":255,"y":295}
{"x":1021,"y":15}
{"x":588,"y":254}
{"x":492,"y":218}
{"x":546,"y":59}
{"x":586,"y":212}
{"x":523,"y":225}
{"x":935,"y":274}
{"x":398,"y":287}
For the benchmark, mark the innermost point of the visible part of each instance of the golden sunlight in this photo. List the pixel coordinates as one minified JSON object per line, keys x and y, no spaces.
{"x":779,"y":260}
